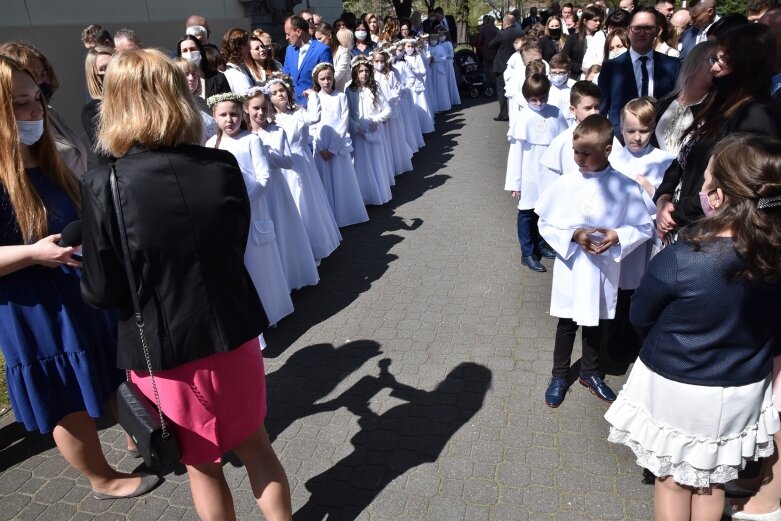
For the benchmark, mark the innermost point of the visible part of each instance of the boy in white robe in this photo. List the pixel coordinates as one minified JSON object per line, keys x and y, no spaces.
{"x":593,"y":218}
{"x":530,"y":134}
{"x":584,"y":101}
{"x":645,"y":164}
{"x":561,"y":84}
{"x":515,"y":74}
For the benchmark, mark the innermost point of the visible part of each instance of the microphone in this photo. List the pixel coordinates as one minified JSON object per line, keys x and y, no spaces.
{"x":70,"y":235}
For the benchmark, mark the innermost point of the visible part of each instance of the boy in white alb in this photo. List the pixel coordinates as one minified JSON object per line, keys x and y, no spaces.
{"x":530,"y":134}
{"x":593,"y":218}
{"x":584,"y":101}
{"x":645,"y":164}
{"x":561,"y":84}
{"x":515,"y":74}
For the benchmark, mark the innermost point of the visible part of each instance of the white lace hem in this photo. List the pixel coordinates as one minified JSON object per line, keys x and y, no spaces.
{"x":681,"y":472}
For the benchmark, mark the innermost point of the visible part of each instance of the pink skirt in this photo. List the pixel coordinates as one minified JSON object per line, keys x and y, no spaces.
{"x":214,"y":404}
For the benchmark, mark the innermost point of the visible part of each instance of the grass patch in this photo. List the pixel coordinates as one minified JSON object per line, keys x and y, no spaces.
{"x":5,"y":404}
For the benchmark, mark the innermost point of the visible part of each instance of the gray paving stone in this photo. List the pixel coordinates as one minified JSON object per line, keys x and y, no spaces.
{"x":408,"y":385}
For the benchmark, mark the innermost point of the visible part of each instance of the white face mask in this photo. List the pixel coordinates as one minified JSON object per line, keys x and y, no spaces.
{"x":195,"y":57}
{"x":29,"y":131}
{"x":442,"y":38}
{"x":616,"y":53}
{"x":537,"y":108}
{"x":379,"y":66}
{"x":558,"y":79}
{"x":361,"y":35}
{"x":409,"y":51}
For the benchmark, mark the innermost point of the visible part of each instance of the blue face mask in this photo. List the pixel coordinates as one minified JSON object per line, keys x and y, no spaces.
{"x":29,"y":131}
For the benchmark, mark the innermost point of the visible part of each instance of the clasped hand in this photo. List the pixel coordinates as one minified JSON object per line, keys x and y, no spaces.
{"x":581,"y":236}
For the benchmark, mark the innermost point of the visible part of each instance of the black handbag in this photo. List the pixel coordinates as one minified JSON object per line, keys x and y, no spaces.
{"x":142,"y":420}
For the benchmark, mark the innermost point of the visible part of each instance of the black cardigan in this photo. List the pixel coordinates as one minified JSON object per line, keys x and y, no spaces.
{"x":757,"y":117}
{"x":187,"y":217}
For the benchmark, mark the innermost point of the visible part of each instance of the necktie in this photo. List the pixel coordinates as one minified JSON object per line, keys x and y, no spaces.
{"x":644,"y":74}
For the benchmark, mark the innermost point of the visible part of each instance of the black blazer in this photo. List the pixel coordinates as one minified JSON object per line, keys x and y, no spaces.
{"x":575,"y":50}
{"x":503,"y":43}
{"x":216,"y":83}
{"x":187,"y":217}
{"x":618,"y":85}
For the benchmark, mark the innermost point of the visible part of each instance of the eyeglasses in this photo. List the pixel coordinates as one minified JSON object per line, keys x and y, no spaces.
{"x":637,"y":29}
{"x":721,"y":60}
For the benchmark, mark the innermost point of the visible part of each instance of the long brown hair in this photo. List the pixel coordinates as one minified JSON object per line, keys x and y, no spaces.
{"x":26,"y":203}
{"x":232,"y":43}
{"x":747,"y":169}
{"x":371,"y":84}
{"x":751,"y":52}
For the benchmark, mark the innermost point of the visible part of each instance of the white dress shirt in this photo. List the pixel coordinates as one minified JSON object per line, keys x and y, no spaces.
{"x":302,"y":52}
{"x":635,"y":57}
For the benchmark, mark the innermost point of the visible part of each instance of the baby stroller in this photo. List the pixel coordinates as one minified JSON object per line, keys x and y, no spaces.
{"x":473,"y":79}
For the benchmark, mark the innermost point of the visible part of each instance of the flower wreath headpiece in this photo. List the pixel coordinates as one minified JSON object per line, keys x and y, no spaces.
{"x":225,"y":96}
{"x":319,"y":68}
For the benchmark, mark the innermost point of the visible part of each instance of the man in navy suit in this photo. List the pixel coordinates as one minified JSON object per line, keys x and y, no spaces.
{"x":703,"y":15}
{"x":639,"y":72}
{"x":301,"y":56}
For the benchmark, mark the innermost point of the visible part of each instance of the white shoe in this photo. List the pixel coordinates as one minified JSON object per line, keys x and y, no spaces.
{"x":729,"y":510}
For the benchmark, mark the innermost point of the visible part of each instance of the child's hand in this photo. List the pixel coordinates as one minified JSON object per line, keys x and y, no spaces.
{"x":611,"y":238}
{"x":646,"y":184}
{"x":373,"y":126}
{"x":307,"y":92}
{"x":326,"y":154}
{"x":581,"y":236}
{"x":515,"y":195}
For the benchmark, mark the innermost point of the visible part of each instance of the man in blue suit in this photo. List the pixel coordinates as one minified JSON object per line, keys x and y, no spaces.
{"x":301,"y":56}
{"x":639,"y":72}
{"x":703,"y":15}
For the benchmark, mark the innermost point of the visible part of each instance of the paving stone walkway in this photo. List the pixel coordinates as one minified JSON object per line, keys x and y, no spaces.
{"x":408,"y":385}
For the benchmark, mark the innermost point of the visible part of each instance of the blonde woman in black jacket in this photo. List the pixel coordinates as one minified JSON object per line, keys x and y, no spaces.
{"x":187,"y":219}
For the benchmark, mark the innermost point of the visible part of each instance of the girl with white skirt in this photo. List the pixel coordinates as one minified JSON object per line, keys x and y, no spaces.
{"x":368,"y":110}
{"x":298,"y":261}
{"x":416,"y":83}
{"x":439,"y":80}
{"x":261,"y":256}
{"x":389,"y":85}
{"x":411,"y":126}
{"x":332,"y":149}
{"x":444,"y":42}
{"x":304,"y":181}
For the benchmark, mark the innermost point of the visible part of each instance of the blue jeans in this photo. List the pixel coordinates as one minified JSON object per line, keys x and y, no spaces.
{"x":528,"y":234}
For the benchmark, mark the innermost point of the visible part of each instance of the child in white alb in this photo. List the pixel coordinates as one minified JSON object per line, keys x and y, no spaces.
{"x":561,"y":85}
{"x":593,"y":218}
{"x":261,"y":257}
{"x":526,"y":178}
{"x":645,"y":164}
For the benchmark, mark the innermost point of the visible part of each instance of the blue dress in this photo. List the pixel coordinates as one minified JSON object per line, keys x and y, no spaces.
{"x":60,"y":354}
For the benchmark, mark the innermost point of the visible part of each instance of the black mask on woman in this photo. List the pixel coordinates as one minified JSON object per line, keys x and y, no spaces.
{"x":723,"y":84}
{"x":555,"y":33}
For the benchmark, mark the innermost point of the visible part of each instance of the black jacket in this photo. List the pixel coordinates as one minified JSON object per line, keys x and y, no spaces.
{"x":503,"y":43}
{"x":757,"y":117}
{"x":187,"y":217}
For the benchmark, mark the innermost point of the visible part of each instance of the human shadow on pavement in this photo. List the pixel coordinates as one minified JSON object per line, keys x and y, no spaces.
{"x":364,"y":254}
{"x":394,"y":441}
{"x":309,"y":375}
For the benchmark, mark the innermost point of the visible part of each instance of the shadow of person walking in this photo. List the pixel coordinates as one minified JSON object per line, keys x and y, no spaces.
{"x":389,"y":444}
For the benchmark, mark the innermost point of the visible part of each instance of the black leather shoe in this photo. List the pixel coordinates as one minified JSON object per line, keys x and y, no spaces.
{"x":554,"y":394}
{"x":533,"y":264}
{"x":598,"y":388}
{"x":547,"y":252}
{"x":500,"y":118}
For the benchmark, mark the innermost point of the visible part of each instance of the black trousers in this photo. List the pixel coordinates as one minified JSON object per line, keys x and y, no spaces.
{"x":565,"y":341}
{"x":500,"y":94}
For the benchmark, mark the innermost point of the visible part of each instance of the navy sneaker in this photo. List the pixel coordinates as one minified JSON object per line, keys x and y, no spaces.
{"x":554,"y":394}
{"x":598,"y":388}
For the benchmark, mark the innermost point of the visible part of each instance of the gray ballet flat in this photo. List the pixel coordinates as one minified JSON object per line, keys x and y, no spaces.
{"x":148,"y":483}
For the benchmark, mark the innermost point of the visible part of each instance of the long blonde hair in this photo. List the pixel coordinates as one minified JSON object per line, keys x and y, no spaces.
{"x":26,"y":203}
{"x":94,"y":86}
{"x":146,"y":102}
